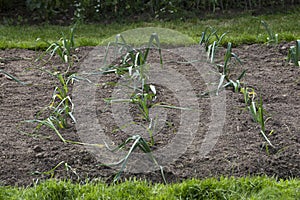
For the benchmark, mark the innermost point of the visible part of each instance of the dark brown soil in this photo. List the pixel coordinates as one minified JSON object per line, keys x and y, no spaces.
{"x":239,"y":151}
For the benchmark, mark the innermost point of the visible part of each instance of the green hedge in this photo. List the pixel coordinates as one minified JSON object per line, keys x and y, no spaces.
{"x":97,"y":10}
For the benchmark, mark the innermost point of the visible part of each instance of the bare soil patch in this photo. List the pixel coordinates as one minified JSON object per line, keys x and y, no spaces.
{"x":239,"y":151}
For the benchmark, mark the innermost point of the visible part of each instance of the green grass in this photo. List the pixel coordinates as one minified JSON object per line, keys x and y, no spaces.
{"x":224,"y":188}
{"x":242,"y":29}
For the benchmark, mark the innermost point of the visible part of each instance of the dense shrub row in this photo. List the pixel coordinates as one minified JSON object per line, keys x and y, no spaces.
{"x":94,"y":10}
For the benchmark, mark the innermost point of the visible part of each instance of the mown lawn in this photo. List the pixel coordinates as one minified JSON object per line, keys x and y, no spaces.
{"x":242,"y":29}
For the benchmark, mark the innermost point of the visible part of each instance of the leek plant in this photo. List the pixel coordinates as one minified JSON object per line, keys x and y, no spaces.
{"x":61,"y":106}
{"x":294,"y":54}
{"x":211,"y":41}
{"x":134,"y":64}
{"x":135,"y":141}
{"x":225,"y":71}
{"x":64,"y":48}
{"x":11,"y":77}
{"x":257,"y":111}
{"x":272,"y":37}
